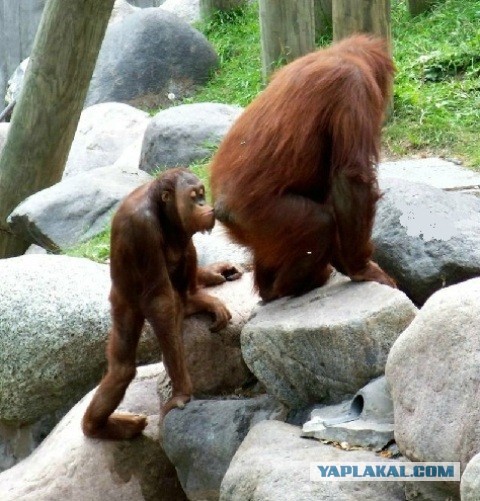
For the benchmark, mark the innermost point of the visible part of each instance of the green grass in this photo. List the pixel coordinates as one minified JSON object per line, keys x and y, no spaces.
{"x":96,"y":249}
{"x":436,"y":93}
{"x":236,"y":39}
{"x":437,"y":86}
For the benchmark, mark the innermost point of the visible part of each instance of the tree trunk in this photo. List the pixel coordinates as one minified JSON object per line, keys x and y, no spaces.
{"x":209,"y":7}
{"x":288,"y":31}
{"x":361,"y":16}
{"x":46,"y":116}
{"x":323,"y":17}
{"x":416,"y":7}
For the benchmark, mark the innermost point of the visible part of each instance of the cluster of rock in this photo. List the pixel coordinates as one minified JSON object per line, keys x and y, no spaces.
{"x":333,"y":375}
{"x":19,"y":22}
{"x":241,"y":438}
{"x":257,"y":381}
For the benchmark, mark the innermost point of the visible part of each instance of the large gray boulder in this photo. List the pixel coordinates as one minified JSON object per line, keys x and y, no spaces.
{"x":426,"y":238}
{"x":326,"y":344}
{"x":18,"y":25}
{"x":54,"y":321}
{"x":432,"y":370}
{"x":104,"y":131}
{"x":69,"y":466}
{"x":75,"y":209}
{"x":470,"y":485}
{"x":214,"y":359}
{"x":184,"y":134}
{"x":201,"y":439}
{"x":148,"y":55}
{"x":273,"y":463}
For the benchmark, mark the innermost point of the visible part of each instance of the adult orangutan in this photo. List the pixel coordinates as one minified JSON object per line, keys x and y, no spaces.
{"x":294,"y":179}
{"x":153,"y":266}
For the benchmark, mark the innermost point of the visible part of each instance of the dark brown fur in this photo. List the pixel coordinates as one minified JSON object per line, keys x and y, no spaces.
{"x":154,"y":273}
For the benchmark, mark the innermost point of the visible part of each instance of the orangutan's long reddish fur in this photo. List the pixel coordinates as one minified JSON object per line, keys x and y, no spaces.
{"x":295,"y":179}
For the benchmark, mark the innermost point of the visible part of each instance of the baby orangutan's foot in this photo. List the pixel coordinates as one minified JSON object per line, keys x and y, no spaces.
{"x":177,"y":401}
{"x":119,"y":426}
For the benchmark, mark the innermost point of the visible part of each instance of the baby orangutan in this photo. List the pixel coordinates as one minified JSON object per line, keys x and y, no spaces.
{"x":153,"y":267}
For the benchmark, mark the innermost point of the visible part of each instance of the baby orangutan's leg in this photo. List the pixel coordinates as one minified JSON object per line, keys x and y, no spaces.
{"x":165,"y":314}
{"x":99,"y":420}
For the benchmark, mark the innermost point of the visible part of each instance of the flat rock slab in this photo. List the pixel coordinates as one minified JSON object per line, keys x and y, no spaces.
{"x":361,"y":432}
{"x":366,"y":420}
{"x":433,"y":171}
{"x":327,"y":344}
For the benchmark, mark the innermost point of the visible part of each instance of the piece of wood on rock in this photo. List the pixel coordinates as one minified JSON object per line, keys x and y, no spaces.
{"x":70,"y":466}
{"x":433,"y":372}
{"x":273,"y":463}
{"x":326,"y":344}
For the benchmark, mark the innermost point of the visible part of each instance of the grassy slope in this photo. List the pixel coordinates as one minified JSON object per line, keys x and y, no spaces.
{"x":437,"y":87}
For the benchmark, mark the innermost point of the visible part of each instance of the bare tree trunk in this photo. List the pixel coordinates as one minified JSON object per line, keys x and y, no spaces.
{"x":46,"y":116}
{"x":209,"y":7}
{"x":288,"y":31}
{"x":323,"y":17}
{"x":416,"y":7}
{"x":361,"y":16}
